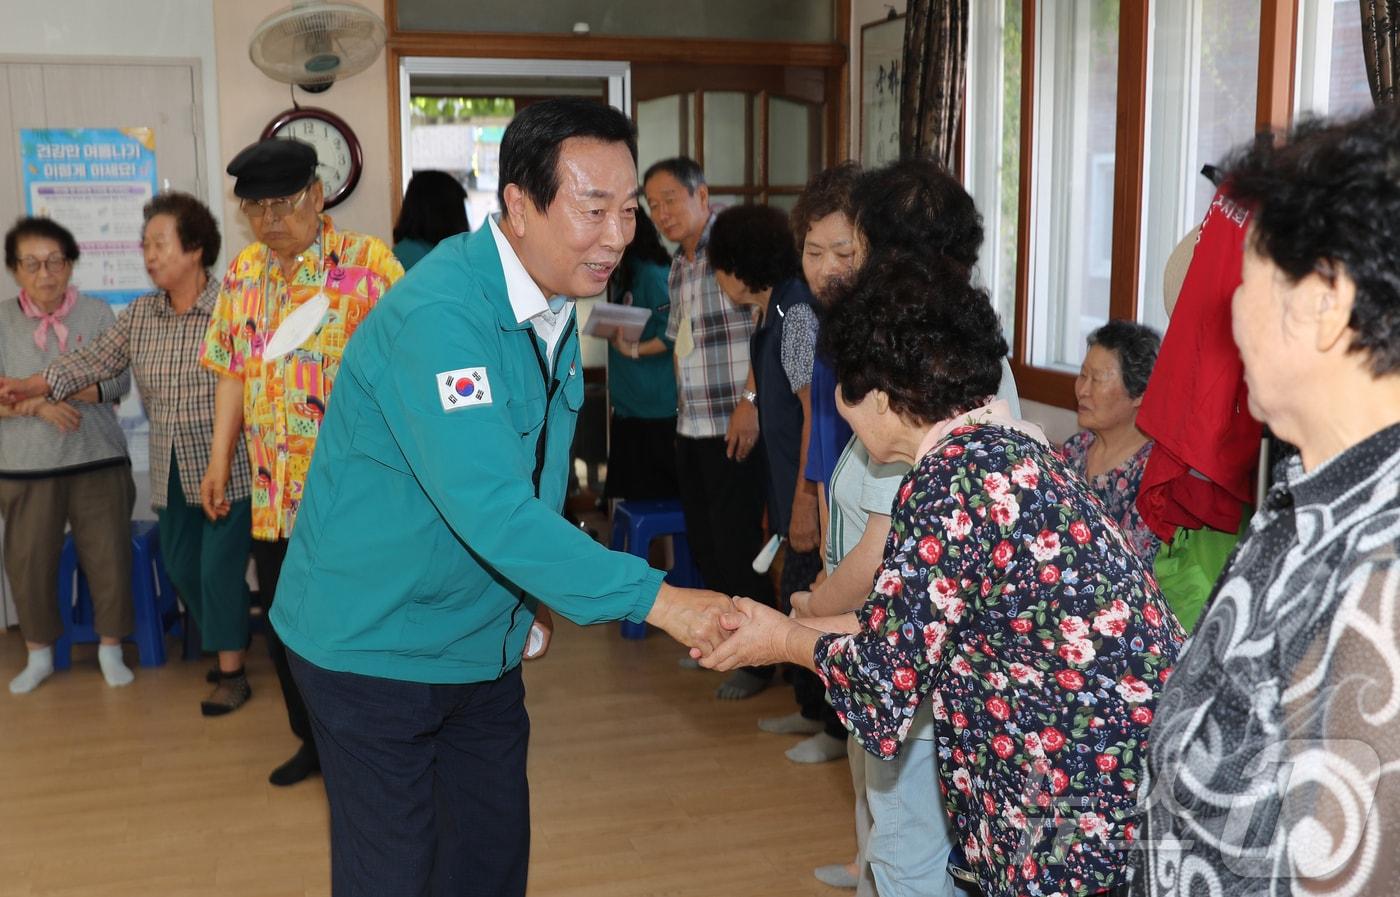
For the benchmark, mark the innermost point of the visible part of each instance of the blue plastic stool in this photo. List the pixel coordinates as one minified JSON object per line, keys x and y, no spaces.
{"x":635,"y":525}
{"x":152,"y":596}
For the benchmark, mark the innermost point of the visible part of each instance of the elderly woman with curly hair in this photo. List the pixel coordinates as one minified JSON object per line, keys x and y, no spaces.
{"x":1276,"y":747}
{"x":1005,"y":598}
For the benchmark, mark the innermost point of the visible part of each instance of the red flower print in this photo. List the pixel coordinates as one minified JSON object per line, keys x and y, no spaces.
{"x":840,"y":678}
{"x":1059,"y":780}
{"x":1106,"y":762}
{"x":904,"y":679}
{"x":1070,"y":680}
{"x":887,"y":746}
{"x":1028,"y":868}
{"x":959,"y":720}
{"x":1003,"y":745}
{"x":953,"y":451}
{"x":1151,"y":614}
{"x":930,"y":549}
{"x":998,"y":708}
{"x":877,"y":618}
{"x":989,"y":805}
{"x":1141,"y":715}
{"x":1052,"y":738}
{"x":1022,"y":625}
{"x":1050,"y":575}
{"x":1002,"y":554}
{"x":1079,"y":532}
{"x":889,"y":583}
{"x":905,"y":491}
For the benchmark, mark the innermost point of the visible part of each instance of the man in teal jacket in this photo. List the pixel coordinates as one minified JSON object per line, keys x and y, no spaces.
{"x":430,"y":535}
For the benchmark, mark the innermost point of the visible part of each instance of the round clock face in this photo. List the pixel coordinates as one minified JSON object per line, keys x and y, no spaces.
{"x":337,"y":150}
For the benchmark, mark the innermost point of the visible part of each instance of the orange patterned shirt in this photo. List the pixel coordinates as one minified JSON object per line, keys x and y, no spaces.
{"x":285,"y":399}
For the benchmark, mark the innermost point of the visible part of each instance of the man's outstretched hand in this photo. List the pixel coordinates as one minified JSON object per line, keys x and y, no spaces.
{"x":691,"y":616}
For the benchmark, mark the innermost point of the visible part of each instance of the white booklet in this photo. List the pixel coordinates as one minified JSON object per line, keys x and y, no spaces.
{"x":608,"y":319}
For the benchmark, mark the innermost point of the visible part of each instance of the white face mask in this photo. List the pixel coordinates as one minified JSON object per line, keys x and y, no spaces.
{"x":297,"y":327}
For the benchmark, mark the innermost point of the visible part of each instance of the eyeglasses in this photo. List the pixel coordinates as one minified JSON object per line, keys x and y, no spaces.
{"x":277,"y":208}
{"x":55,"y":263}
{"x":1100,"y":377}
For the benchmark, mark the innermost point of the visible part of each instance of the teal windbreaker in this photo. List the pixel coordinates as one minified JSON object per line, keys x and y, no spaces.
{"x":421,"y":548}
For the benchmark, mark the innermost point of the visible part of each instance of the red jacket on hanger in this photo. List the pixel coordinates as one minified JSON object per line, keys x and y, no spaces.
{"x":1201,"y":470}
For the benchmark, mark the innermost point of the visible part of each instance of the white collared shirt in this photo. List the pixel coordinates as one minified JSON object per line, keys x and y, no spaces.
{"x":527,"y":300}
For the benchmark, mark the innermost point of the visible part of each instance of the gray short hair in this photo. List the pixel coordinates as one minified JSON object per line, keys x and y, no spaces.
{"x":1136,"y":346}
{"x":682,"y":168}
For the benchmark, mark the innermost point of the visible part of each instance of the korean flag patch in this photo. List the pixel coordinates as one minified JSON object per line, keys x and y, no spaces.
{"x":465,"y":388}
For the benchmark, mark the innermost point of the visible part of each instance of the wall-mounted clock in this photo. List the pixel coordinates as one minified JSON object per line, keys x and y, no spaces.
{"x":338,"y":155}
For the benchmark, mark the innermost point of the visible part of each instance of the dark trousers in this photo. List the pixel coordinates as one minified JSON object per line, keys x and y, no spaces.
{"x":722,"y":500}
{"x":800,"y":569}
{"x":426,"y":783}
{"x":208,"y":561}
{"x":723,"y":504}
{"x":268,"y":558}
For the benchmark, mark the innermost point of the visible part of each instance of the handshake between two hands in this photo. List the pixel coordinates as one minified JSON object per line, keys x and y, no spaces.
{"x":722,"y":633}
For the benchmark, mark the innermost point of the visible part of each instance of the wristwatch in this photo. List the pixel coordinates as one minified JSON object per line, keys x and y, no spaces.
{"x":749,"y":396}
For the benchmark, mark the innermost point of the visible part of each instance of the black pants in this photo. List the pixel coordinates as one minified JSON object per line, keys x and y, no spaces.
{"x":268,"y":557}
{"x":426,"y":783}
{"x":799,"y":571}
{"x":723,"y":504}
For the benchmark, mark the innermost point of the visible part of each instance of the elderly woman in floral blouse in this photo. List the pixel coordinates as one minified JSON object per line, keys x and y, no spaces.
{"x":1110,"y":452}
{"x":1005,"y":597}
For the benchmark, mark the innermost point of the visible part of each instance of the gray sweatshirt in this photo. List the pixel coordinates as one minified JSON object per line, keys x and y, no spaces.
{"x":30,"y":446}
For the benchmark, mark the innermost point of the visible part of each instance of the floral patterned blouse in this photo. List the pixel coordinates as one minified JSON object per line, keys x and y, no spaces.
{"x":1007,"y":599}
{"x":1118,"y":490}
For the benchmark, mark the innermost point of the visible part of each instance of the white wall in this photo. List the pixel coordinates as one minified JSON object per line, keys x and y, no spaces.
{"x":248,"y":100}
{"x":182,"y":29}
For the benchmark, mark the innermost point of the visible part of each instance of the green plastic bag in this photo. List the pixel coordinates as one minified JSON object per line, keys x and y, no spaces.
{"x":1188,"y":568}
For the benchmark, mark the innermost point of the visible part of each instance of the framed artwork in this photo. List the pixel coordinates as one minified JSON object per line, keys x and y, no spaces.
{"x":881,"y":73}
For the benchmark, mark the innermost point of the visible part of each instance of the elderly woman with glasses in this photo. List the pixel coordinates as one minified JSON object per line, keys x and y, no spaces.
{"x":1110,"y":452}
{"x":62,"y":464}
{"x":158,"y":339}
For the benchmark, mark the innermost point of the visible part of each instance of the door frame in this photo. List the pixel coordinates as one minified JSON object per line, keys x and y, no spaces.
{"x":617,"y":73}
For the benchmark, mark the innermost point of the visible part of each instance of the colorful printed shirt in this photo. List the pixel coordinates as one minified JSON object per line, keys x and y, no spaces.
{"x":285,"y":399}
{"x":1008,"y":599}
{"x":1117,"y":489}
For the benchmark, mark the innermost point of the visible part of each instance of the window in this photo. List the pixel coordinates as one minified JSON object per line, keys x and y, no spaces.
{"x":1331,"y":65}
{"x":1073,"y":146}
{"x":1088,"y":122}
{"x":1202,"y":93}
{"x":993,"y":146}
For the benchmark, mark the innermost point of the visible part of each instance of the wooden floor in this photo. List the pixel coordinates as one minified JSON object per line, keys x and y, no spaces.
{"x":641,"y":784}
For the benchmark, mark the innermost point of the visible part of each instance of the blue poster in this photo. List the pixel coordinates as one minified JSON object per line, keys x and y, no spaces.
{"x":94,"y":182}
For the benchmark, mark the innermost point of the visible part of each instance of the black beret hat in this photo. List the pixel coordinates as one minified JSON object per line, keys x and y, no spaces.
{"x":272,"y":168}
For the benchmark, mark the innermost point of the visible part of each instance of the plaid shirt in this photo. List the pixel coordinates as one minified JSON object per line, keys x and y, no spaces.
{"x":710,"y":379}
{"x":162,"y":349}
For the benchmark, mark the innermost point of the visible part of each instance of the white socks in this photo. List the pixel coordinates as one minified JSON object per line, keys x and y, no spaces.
{"x":39,"y":668}
{"x":109,"y":657}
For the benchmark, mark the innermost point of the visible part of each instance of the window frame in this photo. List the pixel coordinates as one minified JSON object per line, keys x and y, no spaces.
{"x":1274,"y":100}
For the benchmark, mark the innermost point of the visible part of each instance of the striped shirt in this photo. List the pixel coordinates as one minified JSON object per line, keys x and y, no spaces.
{"x":161,"y":347}
{"x":711,"y":378}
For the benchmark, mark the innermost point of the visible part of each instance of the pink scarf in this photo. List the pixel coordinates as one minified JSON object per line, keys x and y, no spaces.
{"x":46,"y":320}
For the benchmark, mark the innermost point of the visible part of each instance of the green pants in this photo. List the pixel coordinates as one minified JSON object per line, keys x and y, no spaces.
{"x":208,"y":562}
